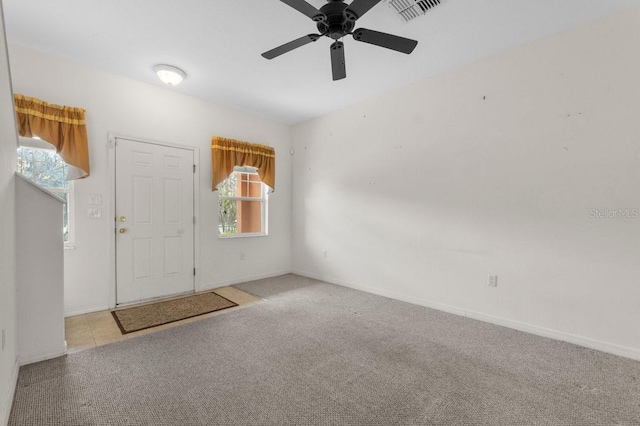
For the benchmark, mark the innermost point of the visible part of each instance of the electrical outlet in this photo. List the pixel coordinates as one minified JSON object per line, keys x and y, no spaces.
{"x":493,"y":281}
{"x":325,"y":254}
{"x":241,"y":255}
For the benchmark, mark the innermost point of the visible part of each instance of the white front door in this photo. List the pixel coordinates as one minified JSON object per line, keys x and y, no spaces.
{"x":154,"y":220}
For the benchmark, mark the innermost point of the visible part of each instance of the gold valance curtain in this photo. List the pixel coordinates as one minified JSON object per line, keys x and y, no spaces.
{"x":228,"y":153}
{"x":63,"y":127}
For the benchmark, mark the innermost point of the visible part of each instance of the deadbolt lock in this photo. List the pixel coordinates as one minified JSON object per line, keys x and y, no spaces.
{"x":123,"y":219}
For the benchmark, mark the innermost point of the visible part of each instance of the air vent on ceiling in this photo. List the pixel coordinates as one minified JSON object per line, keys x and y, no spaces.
{"x":409,"y":9}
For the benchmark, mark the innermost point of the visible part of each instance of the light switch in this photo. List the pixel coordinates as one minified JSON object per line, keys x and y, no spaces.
{"x":95,"y":212}
{"x":94,"y":199}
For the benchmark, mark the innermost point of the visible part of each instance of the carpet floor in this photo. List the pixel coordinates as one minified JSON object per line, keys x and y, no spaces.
{"x":319,"y":354}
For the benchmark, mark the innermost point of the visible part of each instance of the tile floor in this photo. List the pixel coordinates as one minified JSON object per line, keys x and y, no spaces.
{"x":99,"y":328}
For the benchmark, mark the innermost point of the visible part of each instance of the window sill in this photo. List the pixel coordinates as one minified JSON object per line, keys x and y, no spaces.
{"x":225,"y":237}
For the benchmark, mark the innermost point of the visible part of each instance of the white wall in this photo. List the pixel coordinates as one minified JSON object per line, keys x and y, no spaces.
{"x":490,"y":169}
{"x":8,"y":323}
{"x":40,"y":289}
{"x":127,"y":107}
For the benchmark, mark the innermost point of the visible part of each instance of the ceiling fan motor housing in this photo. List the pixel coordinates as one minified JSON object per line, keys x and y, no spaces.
{"x":338,"y":22}
{"x":335,"y":20}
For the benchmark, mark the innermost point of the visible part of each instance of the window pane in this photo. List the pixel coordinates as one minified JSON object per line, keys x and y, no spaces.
{"x":255,"y":190}
{"x":227,"y":217}
{"x":47,"y":169}
{"x":249,"y":215}
{"x":42,"y":166}
{"x":238,"y":216}
{"x":228,"y":187}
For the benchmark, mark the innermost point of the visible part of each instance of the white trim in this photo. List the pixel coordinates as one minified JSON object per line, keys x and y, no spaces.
{"x":42,"y":356}
{"x":244,"y":280}
{"x":8,"y":402}
{"x":86,"y":311}
{"x":264,"y":206}
{"x":111,"y":215}
{"x":112,"y":136}
{"x":244,"y":235}
{"x":196,"y":215}
{"x":71,"y":214}
{"x":155,"y":299}
{"x":587,"y":342}
{"x":111,"y":208}
{"x":599,"y":345}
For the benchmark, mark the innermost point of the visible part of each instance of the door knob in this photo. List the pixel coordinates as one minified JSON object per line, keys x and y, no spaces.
{"x":122,"y":230}
{"x":123,"y":219}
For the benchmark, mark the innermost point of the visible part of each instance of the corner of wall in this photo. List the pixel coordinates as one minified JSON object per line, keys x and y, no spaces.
{"x":8,"y":401}
{"x":8,"y":314}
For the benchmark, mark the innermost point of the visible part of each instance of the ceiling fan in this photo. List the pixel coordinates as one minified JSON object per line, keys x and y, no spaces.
{"x":335,"y":20}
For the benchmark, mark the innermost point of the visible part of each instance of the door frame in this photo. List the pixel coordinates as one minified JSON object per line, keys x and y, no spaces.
{"x":111,"y":208}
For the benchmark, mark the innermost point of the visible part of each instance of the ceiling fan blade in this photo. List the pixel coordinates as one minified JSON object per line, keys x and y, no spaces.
{"x":390,"y":41}
{"x":338,"y":67}
{"x":359,"y":8}
{"x":305,"y":8}
{"x":287,"y":47}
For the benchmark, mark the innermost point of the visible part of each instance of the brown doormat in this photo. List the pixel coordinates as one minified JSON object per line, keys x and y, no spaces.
{"x":154,"y":314}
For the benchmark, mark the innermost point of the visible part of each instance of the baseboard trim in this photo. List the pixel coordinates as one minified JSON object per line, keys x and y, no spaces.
{"x":243,"y":280}
{"x":8,"y":402}
{"x":86,"y":311}
{"x":599,"y":345}
{"x":202,"y":287}
{"x":397,"y":296}
{"x":42,"y":356}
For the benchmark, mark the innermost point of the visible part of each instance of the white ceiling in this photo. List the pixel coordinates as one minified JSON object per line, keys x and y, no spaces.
{"x":218,"y":43}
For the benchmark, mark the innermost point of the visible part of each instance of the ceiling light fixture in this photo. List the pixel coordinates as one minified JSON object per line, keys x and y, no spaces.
{"x":169,"y":75}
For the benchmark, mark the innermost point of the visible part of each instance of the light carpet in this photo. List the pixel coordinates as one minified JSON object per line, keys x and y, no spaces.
{"x":320,"y":354}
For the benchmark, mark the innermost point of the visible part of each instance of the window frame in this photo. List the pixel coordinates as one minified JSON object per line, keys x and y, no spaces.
{"x":264,"y":209}
{"x":35,"y":143}
{"x":71,"y":234}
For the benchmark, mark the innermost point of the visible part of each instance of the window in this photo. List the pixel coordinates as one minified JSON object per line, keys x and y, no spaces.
{"x":46,"y":168}
{"x":243,"y":204}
